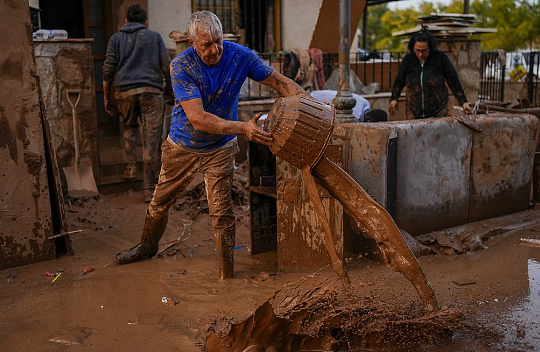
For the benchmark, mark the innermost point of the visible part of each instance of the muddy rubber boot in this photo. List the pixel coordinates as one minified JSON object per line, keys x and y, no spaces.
{"x":148,"y":194}
{"x":149,"y":180}
{"x":152,"y":231}
{"x":225,"y":253}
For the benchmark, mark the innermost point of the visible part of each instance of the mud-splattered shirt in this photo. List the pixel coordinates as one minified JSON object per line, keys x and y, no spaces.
{"x":427,"y":94}
{"x":217,"y":86}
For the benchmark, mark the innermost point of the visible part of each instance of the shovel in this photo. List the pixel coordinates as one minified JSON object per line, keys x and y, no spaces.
{"x":80,"y":178}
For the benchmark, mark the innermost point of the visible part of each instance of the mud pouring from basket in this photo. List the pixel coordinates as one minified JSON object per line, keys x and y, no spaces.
{"x":301,"y":129}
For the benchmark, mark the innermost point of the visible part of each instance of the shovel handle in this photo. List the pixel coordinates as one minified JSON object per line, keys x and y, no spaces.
{"x":75,"y":124}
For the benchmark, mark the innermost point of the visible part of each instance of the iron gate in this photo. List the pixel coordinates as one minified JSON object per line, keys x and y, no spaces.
{"x":492,"y":72}
{"x":533,"y":62}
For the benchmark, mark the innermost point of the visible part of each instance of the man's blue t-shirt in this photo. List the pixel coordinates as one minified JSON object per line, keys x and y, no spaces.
{"x":217,"y":86}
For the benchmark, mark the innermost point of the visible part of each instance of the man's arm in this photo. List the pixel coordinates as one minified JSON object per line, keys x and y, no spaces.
{"x":109,"y":69}
{"x":284,"y":85}
{"x":207,"y":122}
{"x":106,"y":92}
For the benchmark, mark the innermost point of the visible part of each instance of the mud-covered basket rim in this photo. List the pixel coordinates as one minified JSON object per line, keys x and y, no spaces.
{"x":301,"y":129}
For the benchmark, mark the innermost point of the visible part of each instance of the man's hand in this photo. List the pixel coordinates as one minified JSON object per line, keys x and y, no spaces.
{"x":106,"y":102}
{"x":393,"y":107}
{"x":108,"y":105}
{"x":466,"y":108}
{"x":256,"y":134}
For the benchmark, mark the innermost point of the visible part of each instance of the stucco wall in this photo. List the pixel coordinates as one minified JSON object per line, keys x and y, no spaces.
{"x":165,"y":16}
{"x":298,"y":22}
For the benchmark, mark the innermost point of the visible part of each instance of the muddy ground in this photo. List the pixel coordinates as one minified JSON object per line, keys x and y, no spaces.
{"x":490,"y":298}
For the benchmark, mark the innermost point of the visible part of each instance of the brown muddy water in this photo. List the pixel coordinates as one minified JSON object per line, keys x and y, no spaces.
{"x":490,"y":298}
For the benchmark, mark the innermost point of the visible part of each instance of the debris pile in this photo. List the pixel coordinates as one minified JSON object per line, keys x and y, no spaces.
{"x":470,"y":237}
{"x":516,"y":106}
{"x":447,"y":25}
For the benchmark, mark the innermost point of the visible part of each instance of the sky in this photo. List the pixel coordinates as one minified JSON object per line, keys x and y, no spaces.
{"x":403,"y":4}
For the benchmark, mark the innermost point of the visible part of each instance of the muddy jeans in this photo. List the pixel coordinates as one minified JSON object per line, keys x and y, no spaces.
{"x":143,"y":110}
{"x":178,"y":167}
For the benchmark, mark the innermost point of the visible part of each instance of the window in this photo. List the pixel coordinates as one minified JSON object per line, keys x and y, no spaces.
{"x":226,"y":10}
{"x":255,"y":21}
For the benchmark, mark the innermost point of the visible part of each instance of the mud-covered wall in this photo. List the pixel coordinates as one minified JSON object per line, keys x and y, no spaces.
{"x":25,"y":214}
{"x":301,"y":242}
{"x":64,"y":66}
{"x":450,"y":171}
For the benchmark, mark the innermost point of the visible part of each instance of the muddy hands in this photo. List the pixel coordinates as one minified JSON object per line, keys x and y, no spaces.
{"x":255,"y":133}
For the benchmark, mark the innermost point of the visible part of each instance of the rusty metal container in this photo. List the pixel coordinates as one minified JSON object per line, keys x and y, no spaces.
{"x":301,"y":128}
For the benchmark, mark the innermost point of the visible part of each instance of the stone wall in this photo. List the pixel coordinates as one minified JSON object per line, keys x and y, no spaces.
{"x":63,"y":66}
{"x":465,"y":56}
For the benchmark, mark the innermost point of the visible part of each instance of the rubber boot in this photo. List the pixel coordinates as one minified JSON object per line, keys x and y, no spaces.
{"x":152,"y":231}
{"x":148,"y":194}
{"x":149,"y":180}
{"x":225,"y":253}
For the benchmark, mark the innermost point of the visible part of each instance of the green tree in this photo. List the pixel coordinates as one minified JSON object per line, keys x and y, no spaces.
{"x":456,"y":6}
{"x":516,"y":23}
{"x":375,"y":30}
{"x":393,"y":21}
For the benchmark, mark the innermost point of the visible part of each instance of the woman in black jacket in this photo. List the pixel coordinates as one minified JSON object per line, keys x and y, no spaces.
{"x":424,"y":70}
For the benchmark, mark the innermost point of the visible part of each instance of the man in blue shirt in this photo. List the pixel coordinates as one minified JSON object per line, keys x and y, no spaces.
{"x":207,"y":79}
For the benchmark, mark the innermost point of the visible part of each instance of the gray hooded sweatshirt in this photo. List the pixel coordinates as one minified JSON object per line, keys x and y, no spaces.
{"x":136,"y":57}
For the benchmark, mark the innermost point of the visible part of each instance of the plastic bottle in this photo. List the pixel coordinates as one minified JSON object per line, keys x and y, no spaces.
{"x":51,"y":34}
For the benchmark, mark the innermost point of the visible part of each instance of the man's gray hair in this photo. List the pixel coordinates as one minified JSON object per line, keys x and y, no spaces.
{"x":205,"y":21}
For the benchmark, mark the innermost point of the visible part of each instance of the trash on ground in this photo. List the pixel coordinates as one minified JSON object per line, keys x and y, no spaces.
{"x":464,"y":282}
{"x":533,"y":241}
{"x":87,"y":269}
{"x":53,"y":273}
{"x":56,"y":277}
{"x":64,"y":342}
{"x":169,"y":301}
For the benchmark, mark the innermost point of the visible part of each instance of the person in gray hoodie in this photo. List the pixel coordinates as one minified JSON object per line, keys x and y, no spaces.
{"x":137,"y":66}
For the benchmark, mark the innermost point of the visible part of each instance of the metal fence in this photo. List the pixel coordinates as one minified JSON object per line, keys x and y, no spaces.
{"x":533,"y":69}
{"x":498,"y":67}
{"x":492,"y":76}
{"x":376,"y":71}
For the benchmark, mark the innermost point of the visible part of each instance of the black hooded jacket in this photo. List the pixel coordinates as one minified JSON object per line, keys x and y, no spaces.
{"x":428,"y":94}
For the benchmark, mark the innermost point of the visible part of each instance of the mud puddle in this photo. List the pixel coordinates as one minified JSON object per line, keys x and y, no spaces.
{"x":525,"y":317}
{"x":318,"y":314}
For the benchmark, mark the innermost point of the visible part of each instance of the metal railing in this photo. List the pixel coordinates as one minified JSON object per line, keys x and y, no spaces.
{"x":496,"y":68}
{"x":492,"y":75}
{"x":374,"y":70}
{"x":378,"y":71}
{"x":533,"y":63}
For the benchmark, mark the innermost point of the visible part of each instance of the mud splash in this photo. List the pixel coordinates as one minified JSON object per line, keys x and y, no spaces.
{"x":318,"y":315}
